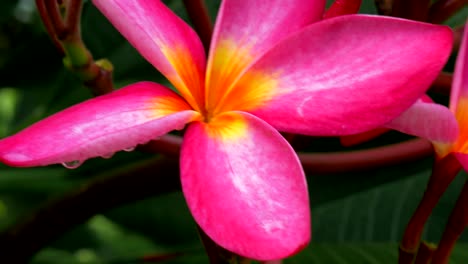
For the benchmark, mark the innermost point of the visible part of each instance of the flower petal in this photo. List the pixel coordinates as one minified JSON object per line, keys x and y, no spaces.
{"x":164,"y":39}
{"x":463,"y":159}
{"x":460,"y":76}
{"x":245,"y":186}
{"x":427,"y":120}
{"x":246,"y":29}
{"x":99,"y":127}
{"x":343,"y":75}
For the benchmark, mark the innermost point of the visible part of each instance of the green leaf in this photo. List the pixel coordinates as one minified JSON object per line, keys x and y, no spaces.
{"x":362,"y":253}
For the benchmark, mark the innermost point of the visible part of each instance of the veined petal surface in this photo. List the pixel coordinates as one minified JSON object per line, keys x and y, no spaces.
{"x":245,"y":186}
{"x":245,"y":30}
{"x":100,"y":126}
{"x":427,"y":120}
{"x":460,"y":75}
{"x":343,"y":75}
{"x":164,"y":39}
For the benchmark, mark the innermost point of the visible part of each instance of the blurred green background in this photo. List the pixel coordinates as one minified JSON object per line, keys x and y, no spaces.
{"x":357,"y":217}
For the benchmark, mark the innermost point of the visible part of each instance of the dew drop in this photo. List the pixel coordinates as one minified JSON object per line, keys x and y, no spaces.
{"x":72,"y":164}
{"x":108,"y":155}
{"x":129,"y":149}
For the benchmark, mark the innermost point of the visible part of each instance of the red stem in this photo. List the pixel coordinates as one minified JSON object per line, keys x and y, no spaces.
{"x":359,"y":160}
{"x":331,"y":162}
{"x":443,"y":83}
{"x":72,"y":18}
{"x":55,"y":18}
{"x":44,"y":14}
{"x":411,"y":9}
{"x":444,"y":9}
{"x":425,"y":253}
{"x":456,"y":225}
{"x":198,"y":13}
{"x":443,"y":173}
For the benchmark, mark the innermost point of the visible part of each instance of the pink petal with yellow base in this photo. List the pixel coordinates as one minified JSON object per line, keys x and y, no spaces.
{"x":245,"y":30}
{"x":299,"y":87}
{"x":245,"y":186}
{"x":164,"y":39}
{"x":99,"y":127}
{"x":460,"y":76}
{"x":427,"y":120}
{"x":351,"y":140}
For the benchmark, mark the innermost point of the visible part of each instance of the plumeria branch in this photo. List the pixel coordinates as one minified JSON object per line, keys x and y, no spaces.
{"x":20,"y":242}
{"x":198,"y":13}
{"x":443,"y":173}
{"x":444,"y":9}
{"x":330,"y":162}
{"x":443,"y":83}
{"x":456,"y":225}
{"x":360,"y":160}
{"x":411,"y":9}
{"x":425,"y":253}
{"x":65,"y":33}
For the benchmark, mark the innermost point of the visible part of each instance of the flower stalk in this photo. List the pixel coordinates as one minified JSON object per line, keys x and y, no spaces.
{"x":64,"y":31}
{"x":443,"y":9}
{"x":455,"y":226}
{"x":425,"y":252}
{"x":411,"y":9}
{"x":443,"y":173}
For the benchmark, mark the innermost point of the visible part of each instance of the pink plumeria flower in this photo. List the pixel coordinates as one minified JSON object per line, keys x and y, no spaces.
{"x":447,"y":128}
{"x":272,"y":66}
{"x":459,"y":106}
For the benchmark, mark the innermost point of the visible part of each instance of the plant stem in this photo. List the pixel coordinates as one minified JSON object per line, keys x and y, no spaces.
{"x":50,"y":28}
{"x":330,"y":162}
{"x":65,"y":33}
{"x":425,"y":252}
{"x":55,"y":17}
{"x":442,"y":83}
{"x":21,"y":241}
{"x":359,"y":160}
{"x":72,"y":18}
{"x":444,"y":9}
{"x":455,"y":226}
{"x":411,"y":9}
{"x":443,"y":173}
{"x":198,"y":13}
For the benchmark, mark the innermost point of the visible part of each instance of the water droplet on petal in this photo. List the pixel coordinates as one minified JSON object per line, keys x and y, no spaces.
{"x":129,"y":149}
{"x":72,"y":164}
{"x":108,"y":155}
